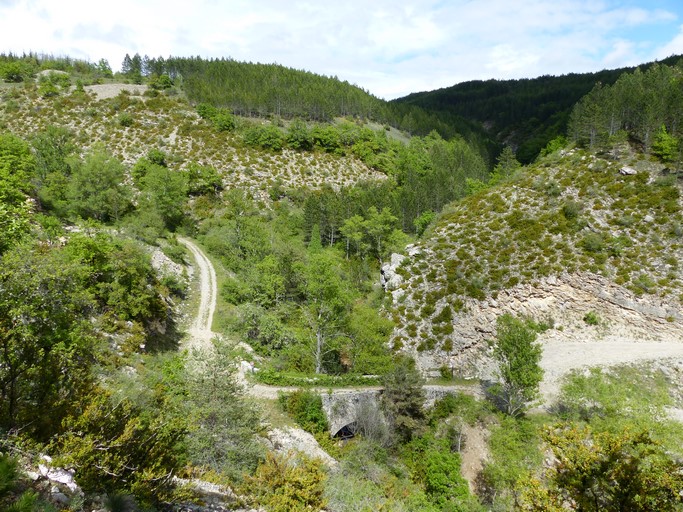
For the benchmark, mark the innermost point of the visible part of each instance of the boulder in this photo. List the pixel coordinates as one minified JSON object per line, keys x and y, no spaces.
{"x":389,"y":278}
{"x":627,"y":171}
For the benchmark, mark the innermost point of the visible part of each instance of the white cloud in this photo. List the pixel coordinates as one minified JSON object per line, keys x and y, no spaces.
{"x":391,"y":48}
{"x":673,"y":47}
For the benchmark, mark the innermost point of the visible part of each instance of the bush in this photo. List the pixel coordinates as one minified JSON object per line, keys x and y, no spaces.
{"x":264,"y":136}
{"x":224,"y":121}
{"x":306,"y":408}
{"x":571,"y":210}
{"x":518,"y":356}
{"x":125,"y":119}
{"x":282,"y":484}
{"x":9,"y":473}
{"x":591,"y":318}
{"x":438,"y":468}
{"x":593,"y":242}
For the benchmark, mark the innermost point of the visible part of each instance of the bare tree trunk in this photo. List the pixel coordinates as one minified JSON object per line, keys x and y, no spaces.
{"x":319,"y":351}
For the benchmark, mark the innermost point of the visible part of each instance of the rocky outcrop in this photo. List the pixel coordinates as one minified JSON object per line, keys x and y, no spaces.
{"x":563,"y":301}
{"x":288,"y":439}
{"x":390,"y":279}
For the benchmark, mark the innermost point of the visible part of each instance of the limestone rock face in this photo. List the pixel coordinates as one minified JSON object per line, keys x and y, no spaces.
{"x":389,"y":278}
{"x":564,"y":300}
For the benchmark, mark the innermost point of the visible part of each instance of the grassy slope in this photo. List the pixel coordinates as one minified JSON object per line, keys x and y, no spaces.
{"x":129,"y":126}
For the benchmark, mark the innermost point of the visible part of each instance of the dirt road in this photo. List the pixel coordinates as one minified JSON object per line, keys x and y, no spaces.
{"x":560,"y":357}
{"x":200,"y":331}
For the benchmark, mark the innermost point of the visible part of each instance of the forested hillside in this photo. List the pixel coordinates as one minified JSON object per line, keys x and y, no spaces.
{"x":645,"y":107}
{"x":347,"y":253}
{"x":525,"y":113}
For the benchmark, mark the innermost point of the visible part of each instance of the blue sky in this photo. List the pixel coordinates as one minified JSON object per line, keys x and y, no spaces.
{"x":390,"y":48}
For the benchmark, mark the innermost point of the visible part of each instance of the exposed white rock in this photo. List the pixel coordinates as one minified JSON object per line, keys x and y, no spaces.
{"x":65,"y":477}
{"x":627,"y":171}
{"x":565,"y":299}
{"x":389,"y":278}
{"x":295,"y":439}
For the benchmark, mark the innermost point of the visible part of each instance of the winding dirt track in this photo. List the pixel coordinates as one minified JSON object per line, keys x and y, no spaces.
{"x":200,"y":331}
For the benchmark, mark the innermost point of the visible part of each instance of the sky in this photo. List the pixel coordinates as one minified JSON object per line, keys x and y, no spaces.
{"x":388,"y":47}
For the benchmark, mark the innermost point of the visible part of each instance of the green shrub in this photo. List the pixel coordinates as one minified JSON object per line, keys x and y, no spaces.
{"x":283,"y":484}
{"x":591,"y":318}
{"x":224,"y":121}
{"x":571,"y":210}
{"x":593,"y":242}
{"x":306,"y":408}
{"x":437,"y":468}
{"x":125,"y":119}
{"x":9,"y":473}
{"x":514,"y":454}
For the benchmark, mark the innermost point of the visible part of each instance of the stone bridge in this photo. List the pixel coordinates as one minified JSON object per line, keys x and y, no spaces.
{"x":343,"y":406}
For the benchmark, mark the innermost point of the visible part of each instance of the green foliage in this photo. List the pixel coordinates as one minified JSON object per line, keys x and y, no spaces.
{"x":160,"y":82}
{"x":369,"y":333}
{"x":302,"y":380}
{"x":306,"y":408}
{"x":527,"y":114}
{"x":645,"y":103}
{"x":423,"y":221}
{"x":50,"y":84}
{"x":260,"y":89}
{"x":203,"y":180}
{"x":369,"y":478}
{"x":599,"y":471}
{"x":514,"y":455}
{"x":298,"y":136}
{"x":591,"y":318}
{"x":518,"y":356}
{"x":223,"y":121}
{"x":116,"y":446}
{"x":327,"y":305}
{"x":506,"y":166}
{"x":222,"y":423}
{"x":264,"y":136}
{"x":283,"y":484}
{"x":14,"y":224}
{"x":559,"y":142}
{"x":403,"y":400}
{"x":665,"y":146}
{"x":17,"y":168}
{"x":620,"y":396}
{"x":372,"y":233}
{"x":571,"y":210}
{"x":9,"y":474}
{"x":125,"y":119}
{"x":46,"y":347}
{"x":593,"y":242}
{"x":120,"y":502}
{"x":97,"y":188}
{"x":53,"y":148}
{"x":468,"y":409}
{"x":15,"y":71}
{"x":435,"y":466}
{"x":164,"y":193}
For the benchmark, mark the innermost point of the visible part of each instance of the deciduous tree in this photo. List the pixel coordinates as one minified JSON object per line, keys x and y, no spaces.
{"x":518,"y":356}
